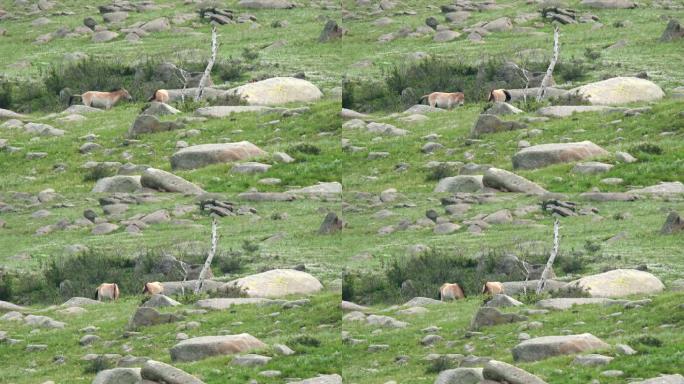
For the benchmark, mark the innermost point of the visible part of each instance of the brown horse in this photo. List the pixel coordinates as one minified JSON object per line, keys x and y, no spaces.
{"x":499,"y":95}
{"x":492,"y":288}
{"x":444,"y":100}
{"x":104,"y":100}
{"x":107,"y":291}
{"x":450,"y":292}
{"x":160,"y":95}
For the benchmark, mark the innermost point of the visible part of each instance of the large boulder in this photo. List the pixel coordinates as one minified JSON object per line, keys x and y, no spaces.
{"x":168,"y":182}
{"x":163,"y":373}
{"x":619,"y":90}
{"x":461,"y":183}
{"x":609,"y":4}
{"x":491,"y":124}
{"x":6,"y":306}
{"x":266,"y":4}
{"x":539,"y":156}
{"x":119,"y":183}
{"x":277,"y":91}
{"x":501,"y":372}
{"x":489,"y":316}
{"x":619,"y":283}
{"x":199,"y":348}
{"x":277,"y":283}
{"x":198,"y":156}
{"x":148,"y":316}
{"x":118,"y":376}
{"x":541,"y":348}
{"x":7,"y":114}
{"x":156,"y":25}
{"x":151,"y":124}
{"x":510,"y":182}
{"x":460,"y":376}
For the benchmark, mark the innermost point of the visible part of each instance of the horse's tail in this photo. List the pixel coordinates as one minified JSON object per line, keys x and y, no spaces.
{"x":72,"y":97}
{"x":423,"y":98}
{"x":508,"y":95}
{"x":154,"y":96}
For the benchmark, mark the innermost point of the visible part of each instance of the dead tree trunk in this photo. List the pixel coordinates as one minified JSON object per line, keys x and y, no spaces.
{"x":210,"y":64}
{"x":210,"y":257}
{"x":552,"y":258}
{"x":552,"y":64}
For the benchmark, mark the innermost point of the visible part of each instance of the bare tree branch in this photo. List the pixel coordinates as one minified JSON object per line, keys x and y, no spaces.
{"x":210,"y":64}
{"x":552,"y":258}
{"x":210,"y":257}
{"x":552,"y":64}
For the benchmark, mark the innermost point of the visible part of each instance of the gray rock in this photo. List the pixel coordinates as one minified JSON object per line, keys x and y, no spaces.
{"x":157,"y":371}
{"x":507,"y":181}
{"x":501,"y":300}
{"x":147,"y":123}
{"x":43,"y":322}
{"x":199,"y":348}
{"x":322,"y":379}
{"x":539,"y":156}
{"x":119,"y":376}
{"x":488,"y":316}
{"x":568,"y":303}
{"x":502,"y":108}
{"x":591,"y":167}
{"x":104,"y":36}
{"x":569,"y":110}
{"x":146,"y":316}
{"x":160,"y":300}
{"x":385,"y":321}
{"x":199,"y":156}
{"x":460,"y":376}
{"x":499,"y":371}
{"x":619,"y":283}
{"x":118,"y":183}
{"x":250,"y":360}
{"x":663,"y":379}
{"x":592,"y":360}
{"x":104,"y":229}
{"x":619,"y":90}
{"x":487,"y":123}
{"x":168,"y":182}
{"x":461,"y":183}
{"x":548,"y":346}
{"x":266,"y":4}
{"x":609,"y":4}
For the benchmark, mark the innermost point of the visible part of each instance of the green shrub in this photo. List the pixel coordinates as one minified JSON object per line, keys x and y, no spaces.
{"x":308,"y":149}
{"x":98,"y":364}
{"x":305,"y":340}
{"x":650,"y":341}
{"x":440,"y":171}
{"x":652,"y":149}
{"x":440,"y":364}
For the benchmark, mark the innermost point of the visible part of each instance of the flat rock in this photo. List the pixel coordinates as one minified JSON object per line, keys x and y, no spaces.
{"x":278,"y":283}
{"x":608,"y":196}
{"x":199,"y":348}
{"x":609,"y":4}
{"x":321,"y":189}
{"x":499,"y":371}
{"x":221,"y":111}
{"x":501,"y":300}
{"x":619,"y":283}
{"x":569,"y":302}
{"x":6,"y":306}
{"x":147,"y":316}
{"x":502,"y":108}
{"x":592,"y":360}
{"x":619,"y":90}
{"x":104,"y":228}
{"x":592,"y":167}
{"x":266,"y":4}
{"x":164,"y":373}
{"x":226,"y":303}
{"x":322,"y":379}
{"x":80,"y":302}
{"x":663,"y":379}
{"x":662,"y":189}
{"x":198,"y":156}
{"x":385,"y":321}
{"x":277,"y":91}
{"x":168,"y":182}
{"x":160,"y":300}
{"x":539,"y":156}
{"x":6,"y":114}
{"x":510,"y":182}
{"x":569,"y":110}
{"x":487,"y":123}
{"x":541,"y":348}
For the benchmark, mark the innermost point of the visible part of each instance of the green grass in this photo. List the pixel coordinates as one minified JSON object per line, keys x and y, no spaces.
{"x":454,"y":319}
{"x":319,"y":319}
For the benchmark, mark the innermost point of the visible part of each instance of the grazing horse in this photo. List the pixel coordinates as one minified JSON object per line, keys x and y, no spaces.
{"x":160,"y":95}
{"x":492,"y":288}
{"x":450,"y":292}
{"x":444,"y":100}
{"x":104,"y":100}
{"x":153,"y":288}
{"x":107,"y":291}
{"x":499,"y":95}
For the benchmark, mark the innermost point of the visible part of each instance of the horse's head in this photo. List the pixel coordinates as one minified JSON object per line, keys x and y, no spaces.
{"x":125,"y":95}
